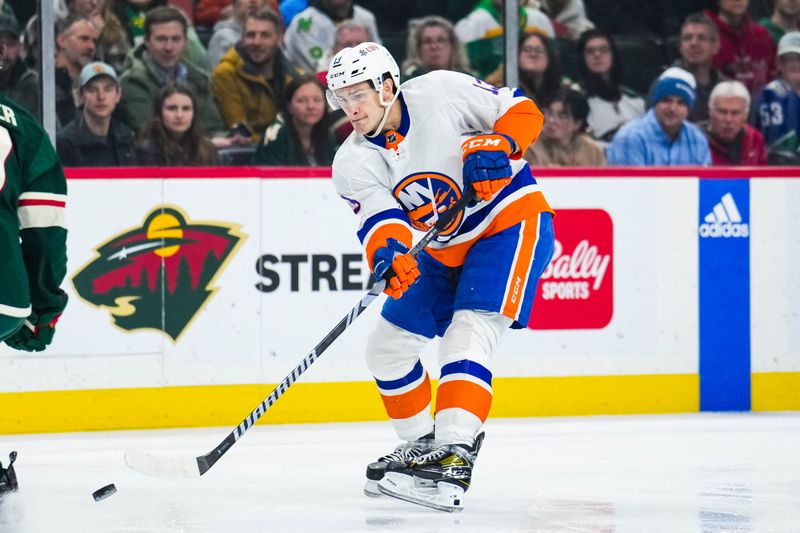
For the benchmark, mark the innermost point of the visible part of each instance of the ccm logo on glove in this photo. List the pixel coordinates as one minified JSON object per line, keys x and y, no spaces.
{"x":486,"y":165}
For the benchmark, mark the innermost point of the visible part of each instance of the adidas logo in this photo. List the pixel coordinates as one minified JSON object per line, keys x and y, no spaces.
{"x":724,"y":220}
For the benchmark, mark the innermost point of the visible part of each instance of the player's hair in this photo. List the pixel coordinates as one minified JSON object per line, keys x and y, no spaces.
{"x":593,"y":84}
{"x":703,"y":20}
{"x":575,"y":105}
{"x":162,"y":15}
{"x":192,"y":148}
{"x":265,"y":14}
{"x":458,"y":56}
{"x":320,"y":130}
{"x":730,"y":88}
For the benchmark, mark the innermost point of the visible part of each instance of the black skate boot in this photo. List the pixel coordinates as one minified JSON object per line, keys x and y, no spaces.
{"x":399,"y":459}
{"x":437,"y":479}
{"x":8,"y":477}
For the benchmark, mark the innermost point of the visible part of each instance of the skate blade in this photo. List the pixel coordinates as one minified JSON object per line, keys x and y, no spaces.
{"x":448,"y":498}
{"x":371,"y":489}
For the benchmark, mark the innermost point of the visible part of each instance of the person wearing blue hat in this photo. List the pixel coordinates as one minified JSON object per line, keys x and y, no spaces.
{"x":663,"y":136}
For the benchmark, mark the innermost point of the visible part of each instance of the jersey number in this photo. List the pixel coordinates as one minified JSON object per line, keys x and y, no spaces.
{"x":771,"y":114}
{"x":5,"y":149}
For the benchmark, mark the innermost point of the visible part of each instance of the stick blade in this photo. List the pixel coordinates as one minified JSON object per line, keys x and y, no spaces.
{"x":157,"y":466}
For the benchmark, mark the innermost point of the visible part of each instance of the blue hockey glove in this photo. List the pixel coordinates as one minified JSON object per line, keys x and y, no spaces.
{"x":486,"y":164}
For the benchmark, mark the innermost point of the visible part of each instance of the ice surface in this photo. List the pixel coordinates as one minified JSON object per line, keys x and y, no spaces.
{"x":676,"y":473}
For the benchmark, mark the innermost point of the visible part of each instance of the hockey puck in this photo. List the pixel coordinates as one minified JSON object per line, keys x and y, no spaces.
{"x":104,"y":492}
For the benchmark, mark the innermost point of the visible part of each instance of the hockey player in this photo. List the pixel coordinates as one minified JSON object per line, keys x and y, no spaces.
{"x":33,"y":234}
{"x":415,"y":150}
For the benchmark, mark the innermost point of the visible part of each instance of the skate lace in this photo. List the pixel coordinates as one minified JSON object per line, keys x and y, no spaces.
{"x":405,"y":452}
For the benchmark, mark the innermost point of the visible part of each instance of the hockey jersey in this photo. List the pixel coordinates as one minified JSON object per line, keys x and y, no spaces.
{"x":33,"y":193}
{"x":777,"y":116}
{"x":406,"y":178}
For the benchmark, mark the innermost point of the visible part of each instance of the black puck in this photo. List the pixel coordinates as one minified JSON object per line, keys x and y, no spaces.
{"x":104,"y":492}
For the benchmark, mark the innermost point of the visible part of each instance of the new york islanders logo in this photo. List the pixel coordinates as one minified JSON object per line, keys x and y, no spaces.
{"x":158,"y":276}
{"x":425,"y":196}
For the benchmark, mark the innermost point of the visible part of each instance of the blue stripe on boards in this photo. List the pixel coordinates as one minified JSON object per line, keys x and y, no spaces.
{"x":724,"y":294}
{"x":472,"y":368}
{"x":411,"y":377}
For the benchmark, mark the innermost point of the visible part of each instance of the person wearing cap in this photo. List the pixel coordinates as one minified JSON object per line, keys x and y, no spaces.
{"x":95,"y":138}
{"x":663,"y":136}
{"x":731,"y":139}
{"x":17,"y":82}
{"x":777,"y":110}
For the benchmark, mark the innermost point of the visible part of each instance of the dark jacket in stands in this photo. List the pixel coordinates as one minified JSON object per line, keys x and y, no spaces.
{"x":79,"y":147}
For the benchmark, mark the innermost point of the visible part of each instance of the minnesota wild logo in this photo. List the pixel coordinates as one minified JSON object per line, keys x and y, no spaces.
{"x":158,"y":276}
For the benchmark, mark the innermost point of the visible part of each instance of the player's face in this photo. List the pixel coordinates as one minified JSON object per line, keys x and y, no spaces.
{"x":727,"y":116}
{"x":597,"y":56}
{"x":698,"y":44}
{"x":789,"y":65}
{"x":100,"y":97}
{"x":435,"y":48}
{"x":166,"y":43}
{"x":671,"y":111}
{"x":261,"y":39}
{"x":533,"y":55}
{"x":362,"y":106}
{"x":559,"y":125}
{"x":177,"y":113}
{"x":307,"y":105}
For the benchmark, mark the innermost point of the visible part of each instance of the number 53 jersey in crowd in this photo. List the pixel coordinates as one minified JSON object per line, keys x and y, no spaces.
{"x":407,"y":178}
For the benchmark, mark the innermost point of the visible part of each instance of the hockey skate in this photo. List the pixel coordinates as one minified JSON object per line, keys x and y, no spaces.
{"x":399,"y":459}
{"x":437,"y":479}
{"x":8,"y":477}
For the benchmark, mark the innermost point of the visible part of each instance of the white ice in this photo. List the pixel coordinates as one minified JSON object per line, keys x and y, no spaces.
{"x":672,"y":473}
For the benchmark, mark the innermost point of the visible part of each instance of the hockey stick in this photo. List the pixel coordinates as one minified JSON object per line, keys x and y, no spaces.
{"x":159,"y":466}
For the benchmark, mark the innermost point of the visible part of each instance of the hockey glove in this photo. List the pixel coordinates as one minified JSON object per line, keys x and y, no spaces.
{"x":398,"y":267}
{"x":33,"y":336}
{"x":486,"y":164}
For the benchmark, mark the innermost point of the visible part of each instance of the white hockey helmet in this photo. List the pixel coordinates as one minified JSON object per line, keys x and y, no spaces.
{"x":365,"y":62}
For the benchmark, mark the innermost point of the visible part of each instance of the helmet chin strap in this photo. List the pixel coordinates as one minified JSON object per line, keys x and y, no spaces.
{"x":386,"y":109}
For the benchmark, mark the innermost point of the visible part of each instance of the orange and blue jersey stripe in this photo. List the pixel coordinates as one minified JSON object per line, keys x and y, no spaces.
{"x":465,"y":385}
{"x":381,"y":226}
{"x":407,"y":396}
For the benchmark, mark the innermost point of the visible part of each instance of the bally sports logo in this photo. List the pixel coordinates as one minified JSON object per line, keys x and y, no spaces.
{"x":576,"y":289}
{"x":724,"y":220}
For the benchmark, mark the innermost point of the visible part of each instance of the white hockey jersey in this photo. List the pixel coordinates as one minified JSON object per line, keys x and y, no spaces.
{"x":406,"y":178}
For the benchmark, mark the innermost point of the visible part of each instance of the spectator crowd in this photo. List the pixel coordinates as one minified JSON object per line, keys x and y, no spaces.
{"x":206,"y":82}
